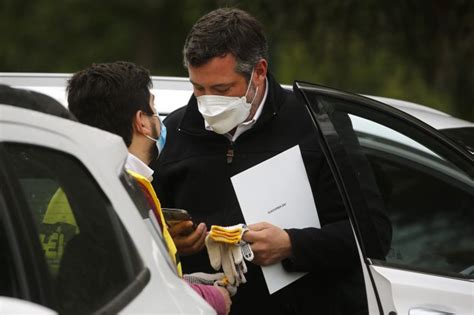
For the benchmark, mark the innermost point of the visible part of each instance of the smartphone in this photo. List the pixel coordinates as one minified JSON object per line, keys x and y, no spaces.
{"x":174,"y":216}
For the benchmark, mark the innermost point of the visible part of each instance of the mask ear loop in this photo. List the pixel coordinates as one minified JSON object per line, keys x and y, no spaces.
{"x":250,"y":82}
{"x":255,"y":96}
{"x":161,"y":128}
{"x":248,"y":89}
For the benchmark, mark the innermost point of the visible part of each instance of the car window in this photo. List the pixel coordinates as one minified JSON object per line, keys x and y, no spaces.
{"x":428,"y":200}
{"x":423,"y":186}
{"x":90,"y":258}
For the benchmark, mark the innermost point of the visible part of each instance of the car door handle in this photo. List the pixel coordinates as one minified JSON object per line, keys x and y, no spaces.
{"x":427,"y":311}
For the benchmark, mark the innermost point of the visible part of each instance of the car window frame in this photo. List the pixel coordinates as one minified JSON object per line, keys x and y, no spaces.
{"x":26,"y":229}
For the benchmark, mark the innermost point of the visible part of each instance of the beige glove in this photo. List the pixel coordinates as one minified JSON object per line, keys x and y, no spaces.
{"x":224,"y":246}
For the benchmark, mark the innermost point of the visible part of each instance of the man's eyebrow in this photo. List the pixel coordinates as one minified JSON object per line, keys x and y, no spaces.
{"x":220,"y":85}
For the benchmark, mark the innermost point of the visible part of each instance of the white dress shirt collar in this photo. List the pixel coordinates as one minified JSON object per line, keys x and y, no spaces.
{"x":136,"y":165}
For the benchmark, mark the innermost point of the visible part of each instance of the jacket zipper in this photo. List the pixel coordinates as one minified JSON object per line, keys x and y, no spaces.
{"x":230,"y":153}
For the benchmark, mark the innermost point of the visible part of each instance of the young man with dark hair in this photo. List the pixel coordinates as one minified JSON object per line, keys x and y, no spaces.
{"x":109,"y":96}
{"x":116,"y":97}
{"x":238,"y":117}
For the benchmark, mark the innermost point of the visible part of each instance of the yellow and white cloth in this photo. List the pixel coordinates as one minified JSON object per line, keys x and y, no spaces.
{"x":226,"y":250}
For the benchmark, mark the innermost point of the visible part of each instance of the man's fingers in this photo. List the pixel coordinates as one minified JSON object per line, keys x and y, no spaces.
{"x":269,"y":245}
{"x":200,"y":243}
{"x":254,"y":233}
{"x":195,"y":235}
{"x":192,"y":243}
{"x":182,"y":228}
{"x":251,"y":236}
{"x":259,"y":226}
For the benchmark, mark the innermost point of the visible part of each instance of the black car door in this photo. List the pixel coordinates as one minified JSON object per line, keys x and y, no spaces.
{"x":389,"y":164}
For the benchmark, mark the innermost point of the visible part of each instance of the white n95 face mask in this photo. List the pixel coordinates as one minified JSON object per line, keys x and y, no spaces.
{"x":224,"y":113}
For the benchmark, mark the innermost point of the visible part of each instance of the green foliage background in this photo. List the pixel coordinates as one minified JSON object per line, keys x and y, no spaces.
{"x":421,"y":51}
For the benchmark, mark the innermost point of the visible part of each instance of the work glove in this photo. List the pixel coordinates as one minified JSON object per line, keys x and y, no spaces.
{"x":216,"y":279}
{"x":225,"y":248}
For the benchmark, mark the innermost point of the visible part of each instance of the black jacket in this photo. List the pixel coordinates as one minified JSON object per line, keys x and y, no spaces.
{"x":194,"y":172}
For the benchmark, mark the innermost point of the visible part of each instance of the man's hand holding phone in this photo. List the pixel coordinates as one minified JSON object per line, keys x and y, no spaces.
{"x":188,"y":237}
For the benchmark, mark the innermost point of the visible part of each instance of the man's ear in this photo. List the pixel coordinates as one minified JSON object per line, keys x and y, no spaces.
{"x":261,"y":70}
{"x":141,"y":123}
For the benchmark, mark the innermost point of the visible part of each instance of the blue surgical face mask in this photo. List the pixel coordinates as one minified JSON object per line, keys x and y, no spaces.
{"x":160,"y":144}
{"x":161,"y":141}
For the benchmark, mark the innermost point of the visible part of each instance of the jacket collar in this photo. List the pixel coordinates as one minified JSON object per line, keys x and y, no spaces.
{"x":193,"y":122}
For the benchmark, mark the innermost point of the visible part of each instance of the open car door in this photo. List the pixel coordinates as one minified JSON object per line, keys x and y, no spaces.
{"x":387,"y":162}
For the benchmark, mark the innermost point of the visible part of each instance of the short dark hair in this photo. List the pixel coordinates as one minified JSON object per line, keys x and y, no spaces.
{"x":108,"y":95}
{"x":34,"y":101}
{"x":223,"y":31}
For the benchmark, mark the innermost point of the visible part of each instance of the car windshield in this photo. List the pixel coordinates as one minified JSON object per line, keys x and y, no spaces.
{"x":463,"y":136}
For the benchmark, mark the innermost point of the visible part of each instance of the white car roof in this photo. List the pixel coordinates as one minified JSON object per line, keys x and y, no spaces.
{"x":431,"y":116}
{"x":105,"y":148}
{"x":174,"y":92}
{"x":170,"y":92}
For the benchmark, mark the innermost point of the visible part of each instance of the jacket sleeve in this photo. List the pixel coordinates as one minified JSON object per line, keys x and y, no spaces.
{"x":327,"y":249}
{"x":332,"y":246}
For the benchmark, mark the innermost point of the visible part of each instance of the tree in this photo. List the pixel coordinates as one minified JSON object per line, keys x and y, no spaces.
{"x":420,"y":51}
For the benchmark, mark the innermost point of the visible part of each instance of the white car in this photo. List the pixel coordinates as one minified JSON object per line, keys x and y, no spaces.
{"x":76,"y":234}
{"x":422,"y":164}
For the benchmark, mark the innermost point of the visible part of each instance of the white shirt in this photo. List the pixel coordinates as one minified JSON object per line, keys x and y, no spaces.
{"x":247,"y":124}
{"x":136,"y":165}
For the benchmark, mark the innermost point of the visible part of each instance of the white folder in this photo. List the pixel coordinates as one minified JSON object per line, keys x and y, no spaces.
{"x":277,"y":191}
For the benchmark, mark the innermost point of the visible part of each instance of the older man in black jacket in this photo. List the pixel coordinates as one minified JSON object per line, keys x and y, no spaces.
{"x":238,"y":117}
